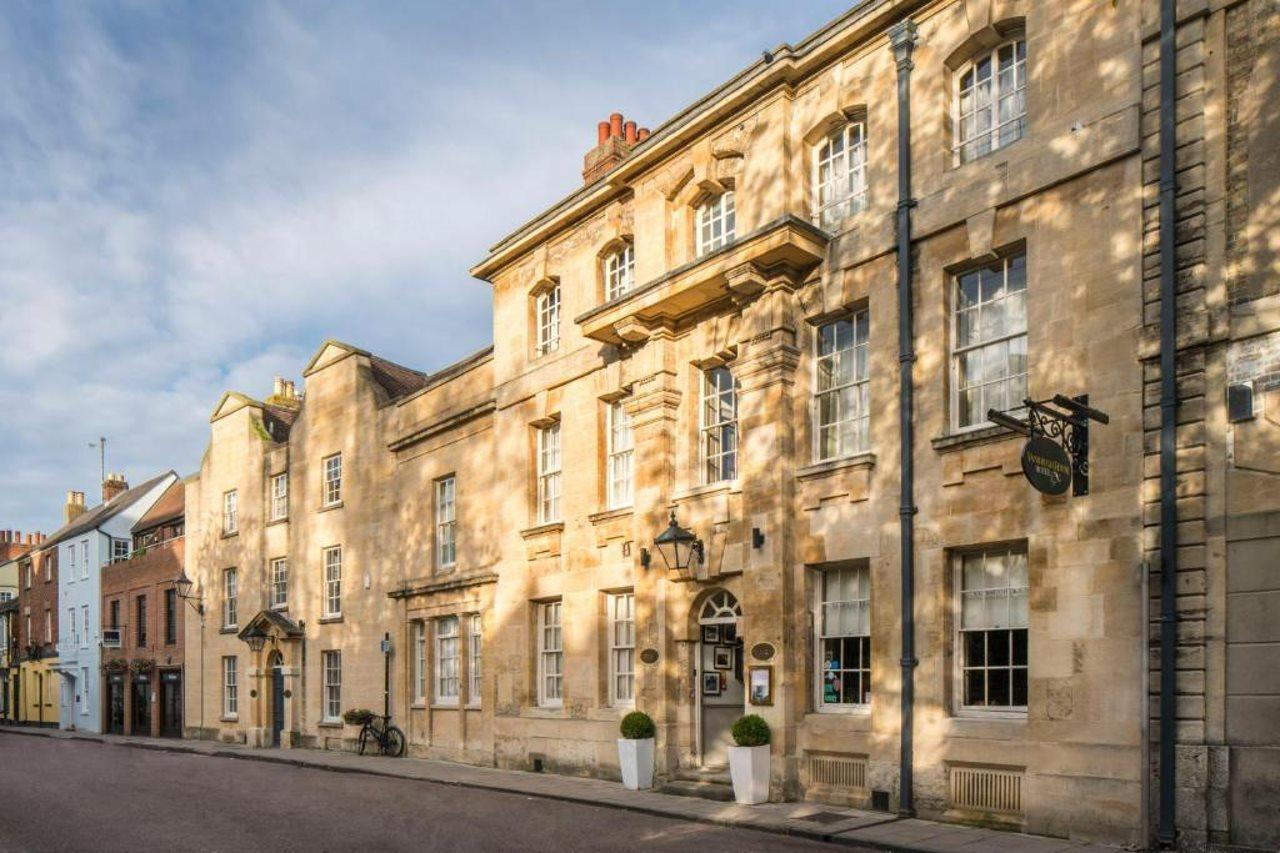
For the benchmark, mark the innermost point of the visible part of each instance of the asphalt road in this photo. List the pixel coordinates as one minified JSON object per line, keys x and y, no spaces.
{"x":64,"y":795}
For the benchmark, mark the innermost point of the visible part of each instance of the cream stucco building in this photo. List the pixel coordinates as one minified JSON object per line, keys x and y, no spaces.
{"x":713,"y":327}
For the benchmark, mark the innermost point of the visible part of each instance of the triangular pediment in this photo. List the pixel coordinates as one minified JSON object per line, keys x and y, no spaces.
{"x":231,"y":402}
{"x":330,"y":352}
{"x":271,"y":623}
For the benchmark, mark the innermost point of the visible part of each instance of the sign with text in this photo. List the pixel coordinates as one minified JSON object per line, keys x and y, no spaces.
{"x":1046,"y":465}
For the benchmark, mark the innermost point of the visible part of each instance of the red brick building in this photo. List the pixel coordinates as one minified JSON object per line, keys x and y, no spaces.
{"x":34,"y":687}
{"x":142,"y":620}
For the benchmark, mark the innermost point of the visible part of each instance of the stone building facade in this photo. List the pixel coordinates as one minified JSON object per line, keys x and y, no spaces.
{"x":710,"y":330}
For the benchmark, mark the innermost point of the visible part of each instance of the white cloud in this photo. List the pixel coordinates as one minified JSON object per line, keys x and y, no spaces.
{"x":192,"y":198}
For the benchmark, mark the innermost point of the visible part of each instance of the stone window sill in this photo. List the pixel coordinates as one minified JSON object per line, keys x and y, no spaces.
{"x":971,"y":438}
{"x":329,"y":724}
{"x":540,"y":529}
{"x":610,"y":514}
{"x":229,"y":718}
{"x":328,"y":507}
{"x":230,"y":534}
{"x":329,"y":620}
{"x":275,"y":521}
{"x":832,"y":466}
{"x":228,"y":629}
{"x":723,"y":487}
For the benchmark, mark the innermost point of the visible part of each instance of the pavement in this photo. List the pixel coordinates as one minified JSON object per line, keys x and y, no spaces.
{"x":796,"y":823}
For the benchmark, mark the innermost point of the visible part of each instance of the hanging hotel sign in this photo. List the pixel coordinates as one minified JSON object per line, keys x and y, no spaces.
{"x":1046,"y":465}
{"x":1056,"y":454}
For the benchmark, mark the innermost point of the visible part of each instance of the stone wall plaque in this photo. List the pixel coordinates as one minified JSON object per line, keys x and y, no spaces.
{"x":762,"y":651}
{"x":649,"y":656}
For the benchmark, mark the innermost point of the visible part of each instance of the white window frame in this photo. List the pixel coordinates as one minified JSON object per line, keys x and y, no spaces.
{"x":75,"y":629}
{"x":840,"y":175}
{"x":852,"y":429}
{"x":331,"y":479}
{"x":829,"y":611}
{"x":447,"y":684}
{"x":547,"y":317}
{"x":87,"y":639}
{"x":279,"y":568}
{"x":475,"y":658}
{"x":619,"y":272}
{"x":1011,"y":339}
{"x":331,"y":666}
{"x":1012,"y":90}
{"x":230,"y":615}
{"x":1010,"y":593}
{"x":48,"y":626}
{"x":620,"y":456}
{"x":71,"y":560}
{"x":331,"y":558}
{"x":120,"y":550}
{"x":549,"y":473}
{"x":447,"y":522}
{"x":550,"y":654}
{"x":715,"y":222}
{"x":713,"y":428}
{"x":622,"y":648}
{"x":230,"y":512}
{"x":280,"y":497}
{"x":84,"y":559}
{"x":84,"y":691}
{"x":419,"y":662}
{"x":230,"y":688}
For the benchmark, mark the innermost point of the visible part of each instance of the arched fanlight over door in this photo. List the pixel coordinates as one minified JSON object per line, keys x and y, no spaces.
{"x":720,"y":608}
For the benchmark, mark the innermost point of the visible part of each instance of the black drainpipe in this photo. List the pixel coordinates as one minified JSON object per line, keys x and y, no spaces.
{"x":1167,"y":832}
{"x":902,"y":37}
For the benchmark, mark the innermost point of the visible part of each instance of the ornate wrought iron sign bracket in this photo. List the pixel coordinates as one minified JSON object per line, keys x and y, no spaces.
{"x":1057,"y":432}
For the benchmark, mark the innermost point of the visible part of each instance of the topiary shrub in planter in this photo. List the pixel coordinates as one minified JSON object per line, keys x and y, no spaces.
{"x":637,"y":726}
{"x":749,"y":760}
{"x":635,"y":750}
{"x":751,"y":730}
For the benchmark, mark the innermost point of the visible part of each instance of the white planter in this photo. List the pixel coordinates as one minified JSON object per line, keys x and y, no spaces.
{"x":749,"y":769}
{"x":636,"y":758}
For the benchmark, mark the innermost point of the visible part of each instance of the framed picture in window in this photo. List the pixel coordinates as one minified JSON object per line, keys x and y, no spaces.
{"x":722,"y":657}
{"x":761,"y":685}
{"x":711,"y":684}
{"x":710,"y":633}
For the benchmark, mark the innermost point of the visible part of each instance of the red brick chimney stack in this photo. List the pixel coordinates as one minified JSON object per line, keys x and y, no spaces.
{"x":14,"y":543}
{"x":115,"y":484}
{"x":614,"y":140}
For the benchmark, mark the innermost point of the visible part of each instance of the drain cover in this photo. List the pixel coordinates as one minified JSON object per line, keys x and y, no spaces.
{"x":826,"y":817}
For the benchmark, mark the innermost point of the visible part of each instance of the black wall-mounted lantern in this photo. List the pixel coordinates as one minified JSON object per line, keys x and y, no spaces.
{"x":681,"y":549}
{"x":184,"y":585}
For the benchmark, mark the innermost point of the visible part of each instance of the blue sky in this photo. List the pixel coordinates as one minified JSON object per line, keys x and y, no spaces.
{"x":194,"y":195}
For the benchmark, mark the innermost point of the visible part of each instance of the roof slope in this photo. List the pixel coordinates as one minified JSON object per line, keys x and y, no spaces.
{"x":102,"y":513}
{"x":171,"y":505}
{"x":396,"y":379}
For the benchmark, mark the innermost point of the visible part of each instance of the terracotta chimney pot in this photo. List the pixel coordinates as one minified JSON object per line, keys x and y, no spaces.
{"x":630,"y":132}
{"x":615,"y":125}
{"x":642,"y":134}
{"x":602,"y":133}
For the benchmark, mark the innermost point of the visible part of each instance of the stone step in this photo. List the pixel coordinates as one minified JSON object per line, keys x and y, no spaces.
{"x":708,"y":790}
